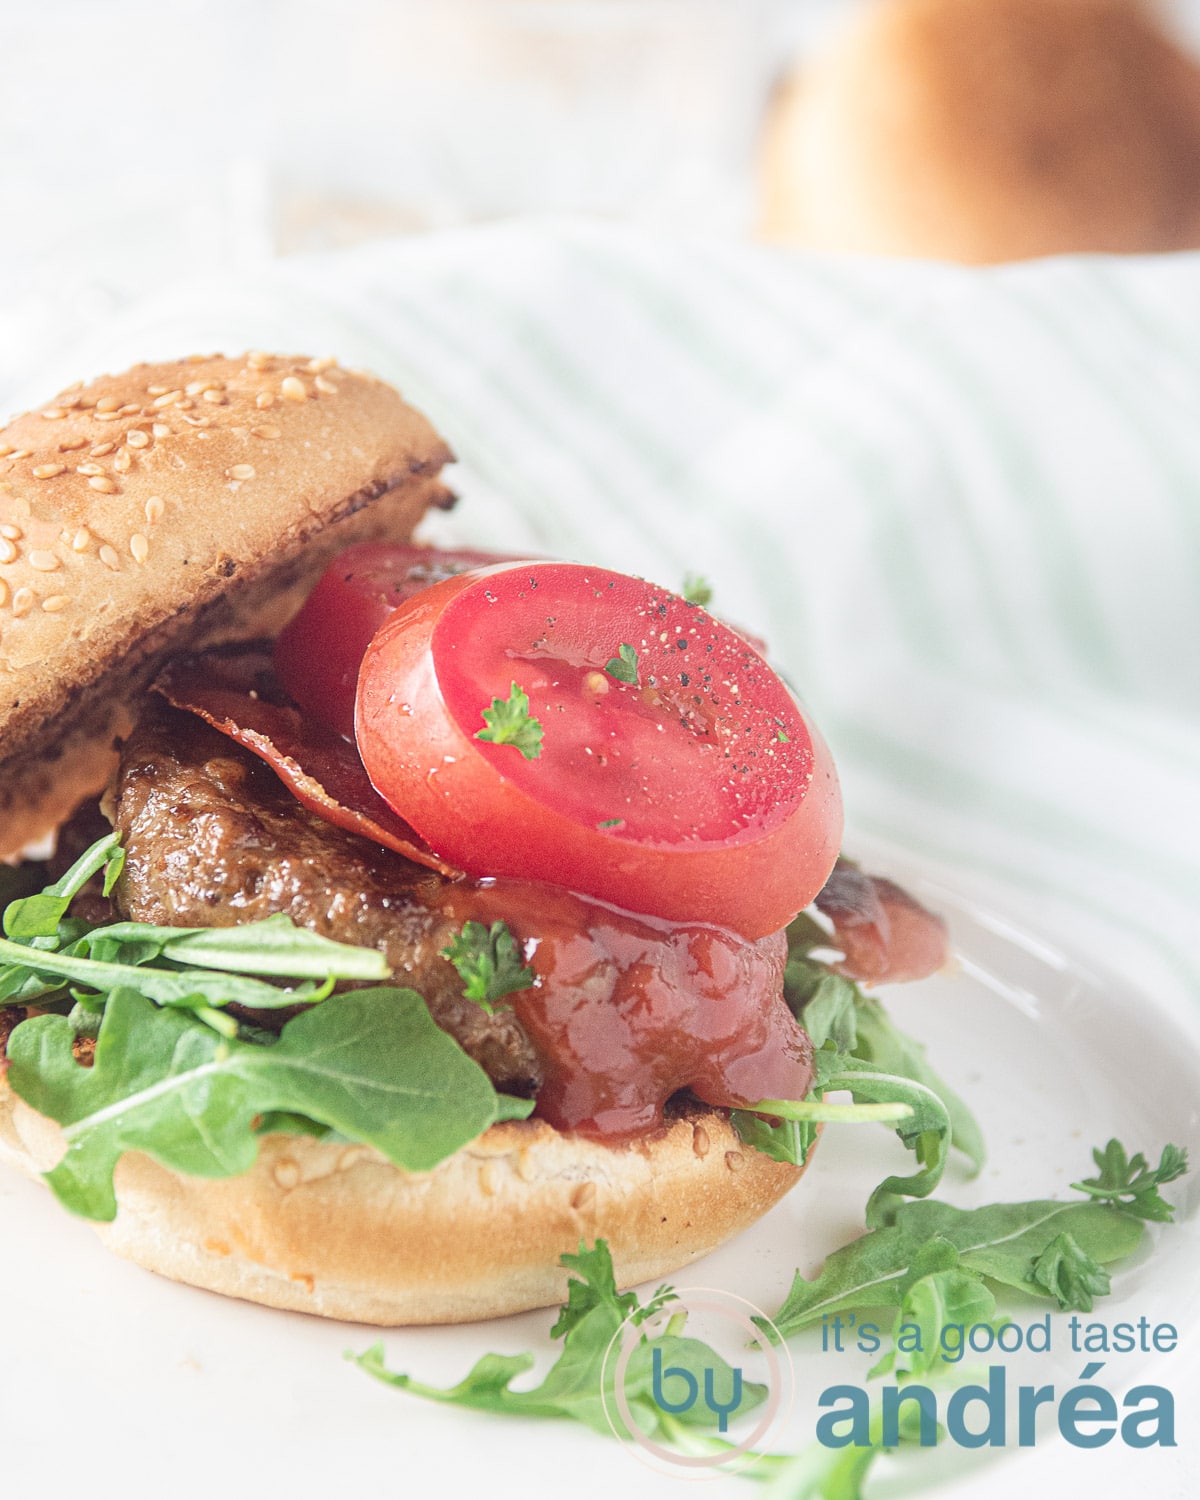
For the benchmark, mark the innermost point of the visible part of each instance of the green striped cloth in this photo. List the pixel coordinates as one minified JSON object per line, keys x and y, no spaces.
{"x":963,"y":506}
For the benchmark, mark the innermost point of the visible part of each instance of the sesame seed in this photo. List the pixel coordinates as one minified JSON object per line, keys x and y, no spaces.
{"x":6,"y":449}
{"x":257,"y":360}
{"x":136,"y":438}
{"x":69,"y":445}
{"x":129,"y":409}
{"x":19,"y":453}
{"x":7,"y":551}
{"x":108,"y":556}
{"x":53,"y":413}
{"x":266,"y":431}
{"x":242,"y":471}
{"x":43,"y":561}
{"x":82,"y":540}
{"x":218,"y":398}
{"x":106,"y":416}
{"x":292,"y":389}
{"x":154,"y":510}
{"x":157,"y":390}
{"x":325,"y":385}
{"x":196,"y":387}
{"x":107,"y":403}
{"x":3,"y":592}
{"x":86,"y":469}
{"x":100,"y":450}
{"x":123,"y":462}
{"x":263,"y":400}
{"x":139,"y":547}
{"x":196,"y":421}
{"x":48,"y":471}
{"x":319,"y":366}
{"x":55,"y":603}
{"x":161,"y":430}
{"x":22,"y":602}
{"x":168,"y":398}
{"x":13,"y":533}
{"x":103,"y":484}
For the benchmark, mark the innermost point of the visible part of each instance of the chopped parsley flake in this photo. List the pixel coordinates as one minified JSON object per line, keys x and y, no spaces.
{"x":624,"y":666}
{"x":509,"y":723}
{"x":488,"y":963}
{"x":697,"y":590}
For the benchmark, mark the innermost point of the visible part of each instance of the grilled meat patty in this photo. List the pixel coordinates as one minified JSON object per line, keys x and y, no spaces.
{"x":213,"y":838}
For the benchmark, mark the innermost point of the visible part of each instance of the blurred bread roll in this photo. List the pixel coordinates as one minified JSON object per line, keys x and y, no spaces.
{"x":989,"y":130}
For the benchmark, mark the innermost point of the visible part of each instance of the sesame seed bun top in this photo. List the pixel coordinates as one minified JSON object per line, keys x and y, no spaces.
{"x":175,"y":504}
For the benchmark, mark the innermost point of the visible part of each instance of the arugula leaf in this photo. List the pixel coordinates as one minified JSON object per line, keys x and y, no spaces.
{"x":509,"y":723}
{"x":924,"y":1128}
{"x":370,"y":1064}
{"x":574,"y":1387}
{"x":488,"y":963}
{"x":1133,"y":1184}
{"x":273,"y":945}
{"x":915,"y":1111}
{"x":1070,"y":1274}
{"x":781,"y":1140}
{"x":951,"y":1255}
{"x":121,"y":954}
{"x":46,"y":952}
{"x":49,"y":972}
{"x":951,"y":1297}
{"x":881,"y":1042}
{"x":38,"y":916}
{"x":624,"y":666}
{"x":696,"y":590}
{"x":1000,"y":1241}
{"x":832,"y":1007}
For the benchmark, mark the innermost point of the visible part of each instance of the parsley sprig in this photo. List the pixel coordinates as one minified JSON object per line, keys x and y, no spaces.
{"x":1131,"y":1184}
{"x":488,"y":963}
{"x":509,"y":722}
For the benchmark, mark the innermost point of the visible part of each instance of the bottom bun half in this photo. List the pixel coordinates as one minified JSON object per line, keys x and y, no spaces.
{"x":335,"y":1229}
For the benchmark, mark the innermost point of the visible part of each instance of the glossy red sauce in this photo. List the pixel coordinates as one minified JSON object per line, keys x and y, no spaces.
{"x":628,"y":1010}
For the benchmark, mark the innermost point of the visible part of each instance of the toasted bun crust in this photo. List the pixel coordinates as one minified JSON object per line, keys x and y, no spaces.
{"x":989,"y":130}
{"x":336,"y":1230}
{"x":194,"y":501}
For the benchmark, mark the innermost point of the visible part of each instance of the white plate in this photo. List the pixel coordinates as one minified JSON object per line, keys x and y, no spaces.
{"x":113,"y":1378}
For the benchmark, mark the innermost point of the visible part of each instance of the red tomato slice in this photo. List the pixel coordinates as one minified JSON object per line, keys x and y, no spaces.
{"x":698,"y":793}
{"x":318,"y":655}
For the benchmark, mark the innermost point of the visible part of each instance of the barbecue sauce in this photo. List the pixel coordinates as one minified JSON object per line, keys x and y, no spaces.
{"x":627,"y":1010}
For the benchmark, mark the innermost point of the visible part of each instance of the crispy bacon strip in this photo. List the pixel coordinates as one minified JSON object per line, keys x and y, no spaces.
{"x":883,"y":932}
{"x":236,"y":692}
